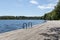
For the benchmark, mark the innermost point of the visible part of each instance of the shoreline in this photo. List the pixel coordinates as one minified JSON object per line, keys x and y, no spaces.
{"x":30,"y":33}
{"x":25,"y":28}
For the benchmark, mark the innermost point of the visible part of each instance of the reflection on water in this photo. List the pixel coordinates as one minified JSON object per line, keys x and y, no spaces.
{"x":9,"y":25}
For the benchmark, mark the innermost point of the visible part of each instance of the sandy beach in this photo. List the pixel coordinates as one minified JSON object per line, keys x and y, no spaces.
{"x":43,"y":31}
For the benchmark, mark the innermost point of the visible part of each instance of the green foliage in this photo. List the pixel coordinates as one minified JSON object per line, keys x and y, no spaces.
{"x":54,"y":14}
{"x":18,"y":18}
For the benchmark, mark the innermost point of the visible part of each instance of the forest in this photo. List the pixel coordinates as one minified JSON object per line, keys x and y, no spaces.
{"x":54,"y":14}
{"x":18,"y":18}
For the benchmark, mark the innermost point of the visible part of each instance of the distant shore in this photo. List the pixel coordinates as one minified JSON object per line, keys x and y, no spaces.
{"x":20,"y":18}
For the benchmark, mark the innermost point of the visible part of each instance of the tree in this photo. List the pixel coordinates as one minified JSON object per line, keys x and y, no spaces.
{"x":54,"y":14}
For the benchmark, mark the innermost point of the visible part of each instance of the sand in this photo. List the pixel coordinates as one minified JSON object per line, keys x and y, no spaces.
{"x":37,"y":32}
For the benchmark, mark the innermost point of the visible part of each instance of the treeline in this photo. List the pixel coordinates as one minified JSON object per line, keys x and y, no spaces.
{"x":18,"y":18}
{"x":54,"y":14}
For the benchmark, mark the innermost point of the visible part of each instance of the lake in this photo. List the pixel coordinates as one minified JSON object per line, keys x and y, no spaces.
{"x":9,"y":25}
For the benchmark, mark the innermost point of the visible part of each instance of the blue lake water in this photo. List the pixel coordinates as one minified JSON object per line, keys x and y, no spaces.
{"x":9,"y":25}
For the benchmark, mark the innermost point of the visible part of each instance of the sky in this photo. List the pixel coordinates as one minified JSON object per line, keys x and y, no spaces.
{"x":26,"y":7}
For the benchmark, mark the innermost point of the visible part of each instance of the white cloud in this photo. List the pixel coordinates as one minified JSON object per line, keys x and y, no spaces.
{"x":49,"y":6}
{"x":34,"y":2}
{"x":52,"y":0}
{"x":45,"y":6}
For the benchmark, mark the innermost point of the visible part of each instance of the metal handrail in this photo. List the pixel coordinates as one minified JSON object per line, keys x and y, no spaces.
{"x":30,"y":24}
{"x":24,"y":24}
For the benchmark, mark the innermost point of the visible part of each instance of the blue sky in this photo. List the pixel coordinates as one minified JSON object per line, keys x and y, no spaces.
{"x":26,"y":7}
